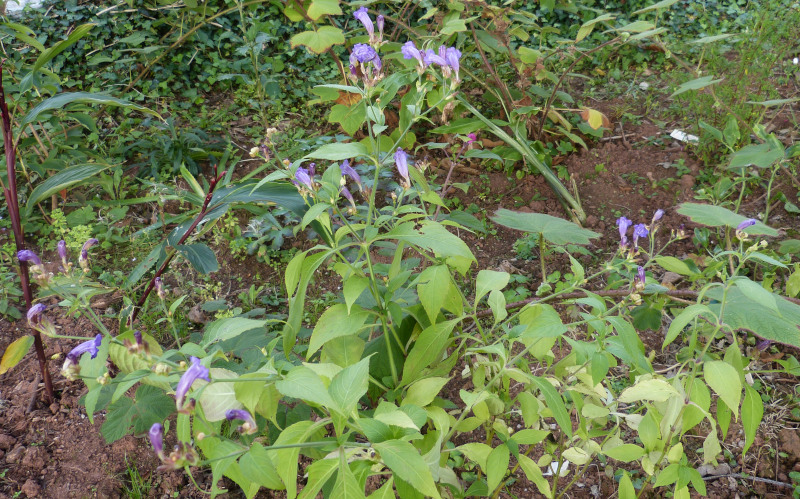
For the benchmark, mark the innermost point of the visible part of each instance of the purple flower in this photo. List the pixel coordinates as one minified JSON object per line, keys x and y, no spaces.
{"x":453,"y":56}
{"x":623,"y":223}
{"x":639,"y":230}
{"x":35,"y":314}
{"x":195,"y":371}
{"x":83,"y":258}
{"x":401,"y":160}
{"x":471,"y":137}
{"x":159,"y":285}
{"x":138,"y":336}
{"x":763,"y":344}
{"x":362,"y":15}
{"x":640,"y":278}
{"x":432,"y":57}
{"x":364,"y":53}
{"x":302,"y":177}
{"x":29,"y":257}
{"x":348,"y":170}
{"x":348,"y":196}
{"x":657,"y":216}
{"x":746,"y":223}
{"x":156,"y":435}
{"x":90,"y":346}
{"x":249,"y":426}
{"x":62,"y":251}
{"x":410,"y":51}
{"x":380,"y":21}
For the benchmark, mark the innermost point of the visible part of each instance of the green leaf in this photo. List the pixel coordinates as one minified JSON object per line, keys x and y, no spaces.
{"x":351,"y":118}
{"x":304,"y":384}
{"x":752,"y":414}
{"x":554,"y":230}
{"x":759,"y":155}
{"x":15,"y":352}
{"x":656,"y":390}
{"x":497,"y":302}
{"x":555,"y":403}
{"x":334,"y":323}
{"x":422,"y":392}
{"x":757,"y":293}
{"x":318,"y":474}
{"x":287,"y":459}
{"x":349,"y":385}
{"x":230,"y":327}
{"x":339,"y":151}
{"x":626,"y":489}
{"x":625,"y":452}
{"x":711,"y":39}
{"x":319,"y":41}
{"x":156,"y":254}
{"x":200,"y":256}
{"x":696,"y":84}
{"x":540,"y":321}
{"x":497,"y":466}
{"x":406,"y":463}
{"x":741,"y":312}
{"x":724,"y":380}
{"x":346,"y":485}
{"x":717,"y":216}
{"x":319,"y":8}
{"x":663,"y":4}
{"x":435,"y":237}
{"x":257,"y":465}
{"x":672,"y":264}
{"x":152,"y":406}
{"x":217,"y":398}
{"x":62,"y":99}
{"x":489,"y":280}
{"x":427,"y":349}
{"x":434,"y":289}
{"x":48,"y":54}
{"x":66,"y":178}
{"x":128,"y":363}
{"x":534,"y":474}
{"x":682,"y":320}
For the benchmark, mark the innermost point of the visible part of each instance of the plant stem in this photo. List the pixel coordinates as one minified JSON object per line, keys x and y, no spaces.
{"x":12,"y":201}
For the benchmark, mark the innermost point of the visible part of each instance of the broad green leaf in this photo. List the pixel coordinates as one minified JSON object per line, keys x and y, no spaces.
{"x":48,"y":54}
{"x":423,"y":392}
{"x":741,"y":312}
{"x":724,"y":380}
{"x":257,"y":396}
{"x":319,"y":8}
{"x":427,"y":349}
{"x":476,"y":452}
{"x":625,"y":452}
{"x":385,"y":492}
{"x":757,"y":293}
{"x":156,"y":254}
{"x":320,"y":40}
{"x":696,"y":84}
{"x":433,"y":289}
{"x":534,"y":474}
{"x":587,"y":27}
{"x":351,"y":117}
{"x":126,"y":416}
{"x":349,"y":385}
{"x":346,"y":485}
{"x":656,"y":390}
{"x":489,"y":280}
{"x":554,"y":230}
{"x":200,"y":256}
{"x":318,"y":474}
{"x":759,"y":155}
{"x":62,"y":99}
{"x":637,"y":27}
{"x":711,"y":39}
{"x":304,"y":384}
{"x":717,"y":216}
{"x":752,"y":414}
{"x":353,"y":287}
{"x":663,"y":4}
{"x":672,"y":264}
{"x":682,"y":320}
{"x":339,"y":151}
{"x":334,"y":323}
{"x":66,"y":178}
{"x":15,"y":352}
{"x":497,"y":302}
{"x":221,"y":455}
{"x":128,"y":362}
{"x":230,"y":327}
{"x":541,"y":321}
{"x":497,"y":466}
{"x":257,"y":465}
{"x":555,"y":403}
{"x":217,"y":398}
{"x":435,"y":237}
{"x":406,"y":463}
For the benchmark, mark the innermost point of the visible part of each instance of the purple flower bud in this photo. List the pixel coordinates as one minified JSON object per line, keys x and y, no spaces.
{"x":471,"y":137}
{"x":432,"y":57}
{"x":453,"y":56}
{"x":362,"y":15}
{"x":156,"y":435}
{"x":35,"y":314}
{"x":29,"y":257}
{"x":410,"y":51}
{"x":89,"y":243}
{"x":312,"y":169}
{"x":401,"y":160}
{"x":249,"y":427}
{"x":640,"y":230}
{"x":763,"y":344}
{"x":138,"y":336}
{"x":348,"y":196}
{"x":90,"y":346}
{"x":658,"y":215}
{"x":746,"y":223}
{"x":83,"y":258}
{"x":195,"y":371}
{"x":640,"y":278}
{"x":159,"y":285}
{"x":623,"y":223}
{"x":303,"y":178}
{"x":380,"y":21}
{"x":348,"y":170}
{"x":62,"y":251}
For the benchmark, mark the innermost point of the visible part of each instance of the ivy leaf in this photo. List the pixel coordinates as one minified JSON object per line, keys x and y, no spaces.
{"x":319,"y":41}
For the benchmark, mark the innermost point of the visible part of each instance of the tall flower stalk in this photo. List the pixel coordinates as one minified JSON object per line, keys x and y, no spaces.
{"x":10,"y":193}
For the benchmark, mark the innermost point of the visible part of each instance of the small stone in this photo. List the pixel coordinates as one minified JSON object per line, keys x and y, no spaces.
{"x":591,"y":221}
{"x":31,"y":488}
{"x":687,"y":181}
{"x":54,"y":407}
{"x":7,"y":441}
{"x":15,"y":455}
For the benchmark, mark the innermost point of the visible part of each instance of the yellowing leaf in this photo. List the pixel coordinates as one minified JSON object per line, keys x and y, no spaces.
{"x":15,"y":352}
{"x":595,"y":118}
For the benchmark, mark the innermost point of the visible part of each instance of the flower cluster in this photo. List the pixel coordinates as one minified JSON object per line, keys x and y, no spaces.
{"x":639,"y":231}
{"x":37,"y":267}
{"x":182,"y":455}
{"x":365,"y":63}
{"x":447,"y":58}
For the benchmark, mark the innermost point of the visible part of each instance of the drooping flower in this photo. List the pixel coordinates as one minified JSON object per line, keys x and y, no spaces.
{"x":348,"y":170}
{"x":453,"y":57}
{"x":639,"y":230}
{"x":432,"y":57}
{"x":83,"y":259}
{"x":29,"y":256}
{"x":348,"y":196}
{"x":248,"y":427}
{"x":410,"y":51}
{"x":196,"y":371}
{"x":34,"y":314}
{"x":640,"y":278}
{"x":362,"y":15}
{"x":303,"y":178}
{"x":156,"y":435}
{"x":71,"y":367}
{"x":623,"y":223}
{"x":401,"y":160}
{"x":740,"y":233}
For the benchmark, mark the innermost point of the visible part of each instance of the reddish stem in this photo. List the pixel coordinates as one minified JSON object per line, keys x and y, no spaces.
{"x":10,"y":193}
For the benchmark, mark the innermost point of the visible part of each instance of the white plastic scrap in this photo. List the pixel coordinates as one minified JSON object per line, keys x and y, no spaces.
{"x":683,"y":136}
{"x":554,"y":468}
{"x":644,"y":85}
{"x":796,"y":61}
